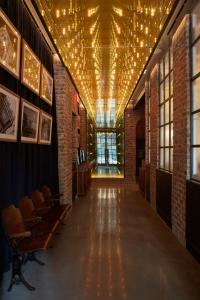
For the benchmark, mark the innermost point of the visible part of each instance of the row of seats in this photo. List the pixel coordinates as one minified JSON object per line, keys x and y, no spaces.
{"x":31,"y":227}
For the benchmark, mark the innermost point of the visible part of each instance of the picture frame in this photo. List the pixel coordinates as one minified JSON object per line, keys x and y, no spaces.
{"x":45,"y":130}
{"x":46,"y":86}
{"x":10,"y":46}
{"x":31,"y":69}
{"x":9,"y":115}
{"x":30,"y":115}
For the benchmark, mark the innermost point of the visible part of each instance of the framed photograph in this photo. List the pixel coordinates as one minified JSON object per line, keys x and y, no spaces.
{"x":10,"y":43}
{"x":45,"y":128}
{"x":31,"y":68}
{"x":29,"y":122}
{"x":46,"y":90}
{"x":9,"y":114}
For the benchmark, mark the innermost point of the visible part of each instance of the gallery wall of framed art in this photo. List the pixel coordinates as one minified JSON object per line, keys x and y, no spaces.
{"x":28,"y":131}
{"x":35,"y":77}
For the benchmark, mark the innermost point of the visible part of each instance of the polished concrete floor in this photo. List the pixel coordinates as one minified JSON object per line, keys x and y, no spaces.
{"x":113,"y":247}
{"x":108,"y":171}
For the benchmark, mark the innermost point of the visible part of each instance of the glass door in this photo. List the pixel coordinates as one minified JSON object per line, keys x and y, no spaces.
{"x":106,"y":148}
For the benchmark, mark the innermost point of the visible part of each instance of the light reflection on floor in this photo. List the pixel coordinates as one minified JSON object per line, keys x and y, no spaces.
{"x":105,"y":252}
{"x":108,"y":171}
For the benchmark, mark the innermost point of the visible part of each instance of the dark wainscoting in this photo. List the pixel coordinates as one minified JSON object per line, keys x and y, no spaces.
{"x":163,"y":195}
{"x":147,"y":183}
{"x":193,"y":218}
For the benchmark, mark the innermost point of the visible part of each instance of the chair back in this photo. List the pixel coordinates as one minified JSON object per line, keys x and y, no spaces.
{"x":38,"y":199}
{"x":26,"y":207}
{"x":12,"y":220}
{"x":46,"y":191}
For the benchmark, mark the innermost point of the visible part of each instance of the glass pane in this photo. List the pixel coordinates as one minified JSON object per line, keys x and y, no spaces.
{"x":167,"y":159}
{"x":161,"y":136}
{"x":162,"y":158}
{"x":167,"y":112}
{"x":171,"y":135}
{"x":162,"y":115}
{"x":196,"y":21}
{"x":167,"y":88}
{"x":161,"y":93}
{"x":172,"y":110}
{"x":171,"y":59}
{"x":196,"y":163}
{"x":161,"y":70}
{"x":196,"y":129}
{"x":196,"y":94}
{"x":167,"y":64}
{"x":196,"y":58}
{"x":171,"y":159}
{"x":167,"y":135}
{"x":171,"y":84}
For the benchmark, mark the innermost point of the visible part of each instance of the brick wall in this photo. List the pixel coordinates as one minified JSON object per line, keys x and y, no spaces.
{"x":131,"y":117}
{"x":63,"y":91}
{"x":154,"y":133}
{"x":181,"y":127}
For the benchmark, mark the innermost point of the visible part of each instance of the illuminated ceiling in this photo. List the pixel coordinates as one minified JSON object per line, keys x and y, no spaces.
{"x":105,"y":43}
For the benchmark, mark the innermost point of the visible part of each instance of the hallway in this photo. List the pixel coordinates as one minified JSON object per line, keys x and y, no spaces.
{"x":113,"y":247}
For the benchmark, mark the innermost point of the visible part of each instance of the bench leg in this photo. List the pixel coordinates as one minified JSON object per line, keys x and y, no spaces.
{"x":32,"y":257}
{"x":17,"y":276}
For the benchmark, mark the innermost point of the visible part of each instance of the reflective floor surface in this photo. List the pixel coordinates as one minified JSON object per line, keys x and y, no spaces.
{"x":108,"y":171}
{"x":113,"y":247}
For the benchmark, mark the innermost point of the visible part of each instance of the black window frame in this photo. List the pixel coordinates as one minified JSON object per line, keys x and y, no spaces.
{"x":193,"y":42}
{"x":169,"y":100}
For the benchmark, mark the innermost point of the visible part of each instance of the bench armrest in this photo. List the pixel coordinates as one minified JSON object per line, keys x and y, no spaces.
{"x":20,"y":235}
{"x":33,"y":219}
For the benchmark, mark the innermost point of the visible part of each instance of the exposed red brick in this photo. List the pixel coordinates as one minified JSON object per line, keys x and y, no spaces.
{"x":63,"y":92}
{"x":181,"y":83}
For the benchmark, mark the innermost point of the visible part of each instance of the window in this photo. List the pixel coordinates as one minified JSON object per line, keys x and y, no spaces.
{"x":100,"y":113}
{"x":149,"y":121}
{"x":166,"y":113}
{"x":106,"y":113}
{"x":106,"y":148}
{"x":195,"y":105}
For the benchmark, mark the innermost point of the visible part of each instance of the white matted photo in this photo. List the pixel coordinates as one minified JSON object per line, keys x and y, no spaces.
{"x":45,"y":128}
{"x":10,"y":43}
{"x":31,"y":68}
{"x":46,"y":90}
{"x":29,"y":122}
{"x":9,"y":114}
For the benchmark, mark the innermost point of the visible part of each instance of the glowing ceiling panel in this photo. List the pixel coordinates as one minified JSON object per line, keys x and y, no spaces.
{"x":105,"y":43}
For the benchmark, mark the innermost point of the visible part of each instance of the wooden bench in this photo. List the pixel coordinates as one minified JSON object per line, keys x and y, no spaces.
{"x":24,"y":243}
{"x":31,"y":227}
